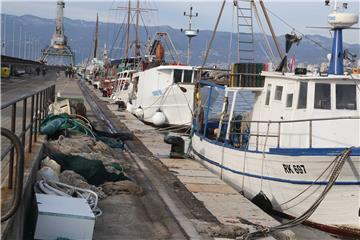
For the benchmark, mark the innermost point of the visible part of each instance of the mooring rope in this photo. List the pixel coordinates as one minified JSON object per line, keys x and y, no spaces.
{"x":339,"y":163}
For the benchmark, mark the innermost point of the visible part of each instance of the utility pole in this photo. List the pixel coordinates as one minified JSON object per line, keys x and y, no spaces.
{"x":24,"y":55}
{"x":33,"y":49}
{"x":4,"y":36}
{"x":36,"y":49}
{"x":13,"y":40}
{"x":19,"y":43}
{"x":190,"y":33}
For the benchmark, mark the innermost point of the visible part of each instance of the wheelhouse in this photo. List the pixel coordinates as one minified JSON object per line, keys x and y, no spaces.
{"x":289,"y":112}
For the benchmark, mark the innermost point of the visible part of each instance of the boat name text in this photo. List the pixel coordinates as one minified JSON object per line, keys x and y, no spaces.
{"x":298,"y":169}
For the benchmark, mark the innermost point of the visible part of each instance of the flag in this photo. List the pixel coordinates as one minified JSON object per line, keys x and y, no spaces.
{"x":292,"y":64}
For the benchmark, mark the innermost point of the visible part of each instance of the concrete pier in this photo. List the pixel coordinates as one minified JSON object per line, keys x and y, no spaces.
{"x":182,"y":199}
{"x":233,"y":213}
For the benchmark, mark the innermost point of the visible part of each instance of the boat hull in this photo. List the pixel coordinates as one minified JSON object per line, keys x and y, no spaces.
{"x":284,"y":177}
{"x":175,"y":102}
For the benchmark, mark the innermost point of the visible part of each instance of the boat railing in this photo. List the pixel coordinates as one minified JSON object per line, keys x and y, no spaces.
{"x":21,"y":135}
{"x":243,"y":129}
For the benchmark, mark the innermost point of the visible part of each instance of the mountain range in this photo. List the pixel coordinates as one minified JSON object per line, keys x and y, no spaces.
{"x":312,"y":49}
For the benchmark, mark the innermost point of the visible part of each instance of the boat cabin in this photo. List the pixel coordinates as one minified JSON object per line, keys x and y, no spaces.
{"x":289,"y":99}
{"x":291,"y":112}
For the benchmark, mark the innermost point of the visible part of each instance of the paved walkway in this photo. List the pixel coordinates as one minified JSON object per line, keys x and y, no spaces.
{"x":124,"y":216}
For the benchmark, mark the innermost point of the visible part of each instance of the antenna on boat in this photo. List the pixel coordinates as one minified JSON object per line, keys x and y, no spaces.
{"x":339,"y":20}
{"x":190,"y":33}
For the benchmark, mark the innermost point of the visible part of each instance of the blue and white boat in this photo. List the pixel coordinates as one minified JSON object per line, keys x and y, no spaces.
{"x":286,"y":147}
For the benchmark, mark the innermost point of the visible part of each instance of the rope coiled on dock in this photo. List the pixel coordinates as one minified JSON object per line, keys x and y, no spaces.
{"x":339,"y":162}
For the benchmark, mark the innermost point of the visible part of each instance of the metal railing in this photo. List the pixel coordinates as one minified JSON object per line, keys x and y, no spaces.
{"x":39,"y":102}
{"x":277,"y":135}
{"x":15,"y":141}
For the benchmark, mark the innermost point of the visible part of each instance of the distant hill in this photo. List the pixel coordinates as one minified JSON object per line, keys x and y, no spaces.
{"x":80,"y":36}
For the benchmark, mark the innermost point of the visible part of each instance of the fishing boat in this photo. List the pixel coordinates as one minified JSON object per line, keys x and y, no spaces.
{"x":159,"y":92}
{"x":163,"y":95}
{"x":299,"y":146}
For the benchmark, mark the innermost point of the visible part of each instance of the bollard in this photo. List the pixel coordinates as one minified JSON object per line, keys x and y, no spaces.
{"x":177,"y":146}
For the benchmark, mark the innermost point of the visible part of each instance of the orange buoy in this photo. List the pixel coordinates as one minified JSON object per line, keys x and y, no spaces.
{"x":356,"y":71}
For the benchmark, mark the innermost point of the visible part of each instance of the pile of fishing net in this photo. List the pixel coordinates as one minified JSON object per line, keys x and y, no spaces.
{"x":64,"y":124}
{"x":85,"y":157}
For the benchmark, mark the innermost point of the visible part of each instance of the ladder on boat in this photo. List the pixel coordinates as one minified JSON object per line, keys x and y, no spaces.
{"x":245,"y":31}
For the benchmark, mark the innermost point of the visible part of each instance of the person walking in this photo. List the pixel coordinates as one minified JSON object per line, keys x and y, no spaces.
{"x":37,"y":71}
{"x":66,"y":72}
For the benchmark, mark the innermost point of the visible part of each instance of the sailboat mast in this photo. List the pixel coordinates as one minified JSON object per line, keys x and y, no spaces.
{"x":137,"y":45}
{"x":96,"y":35}
{"x":128,"y":31}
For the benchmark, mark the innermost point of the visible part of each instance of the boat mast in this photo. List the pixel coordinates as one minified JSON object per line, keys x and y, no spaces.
{"x":128,"y":31}
{"x":190,"y":33}
{"x":137,"y":45}
{"x":271,"y":30}
{"x":96,"y":36}
{"x":213,"y":33}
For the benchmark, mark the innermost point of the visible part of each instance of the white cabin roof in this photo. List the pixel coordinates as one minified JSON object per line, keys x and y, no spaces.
{"x":181,"y":67}
{"x":292,"y":76}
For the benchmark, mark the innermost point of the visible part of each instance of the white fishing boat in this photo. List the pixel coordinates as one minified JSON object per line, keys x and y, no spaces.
{"x":303,"y":130}
{"x":123,"y":87}
{"x":159,"y":92}
{"x":163,"y":95}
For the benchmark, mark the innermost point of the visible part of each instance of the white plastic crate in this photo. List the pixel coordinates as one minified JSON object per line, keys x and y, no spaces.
{"x":63,"y":217}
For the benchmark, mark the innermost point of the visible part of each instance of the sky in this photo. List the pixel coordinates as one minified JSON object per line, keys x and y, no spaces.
{"x":298,"y":14}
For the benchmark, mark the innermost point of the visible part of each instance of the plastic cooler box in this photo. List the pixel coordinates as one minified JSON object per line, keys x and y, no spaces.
{"x":63,"y":217}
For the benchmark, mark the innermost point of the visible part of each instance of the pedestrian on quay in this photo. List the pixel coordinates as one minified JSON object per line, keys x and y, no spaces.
{"x":44,"y":71}
{"x":37,"y":71}
{"x":66,"y":72}
{"x":72,"y":72}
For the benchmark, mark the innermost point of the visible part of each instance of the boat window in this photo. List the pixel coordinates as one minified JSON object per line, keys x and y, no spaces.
{"x":278,"y":92}
{"x":268,"y":91}
{"x":177,"y":75}
{"x":302,"y":100}
{"x":289,"y":100}
{"x":322,"y":96}
{"x":345,"y":96}
{"x":187,"y":76}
